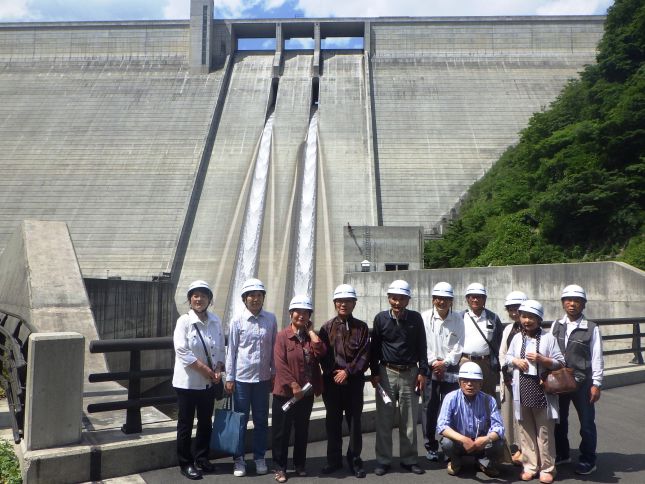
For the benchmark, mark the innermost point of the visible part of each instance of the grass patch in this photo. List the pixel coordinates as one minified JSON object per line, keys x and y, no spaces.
{"x":9,"y":467}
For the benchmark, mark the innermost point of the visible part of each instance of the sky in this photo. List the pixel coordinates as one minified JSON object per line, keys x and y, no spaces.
{"x":97,"y":10}
{"x":82,"y":10}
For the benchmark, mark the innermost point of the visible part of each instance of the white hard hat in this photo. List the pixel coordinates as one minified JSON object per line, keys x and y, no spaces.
{"x":344,"y":291}
{"x":573,"y":290}
{"x":301,"y":302}
{"x":443,"y":289}
{"x":400,"y":287}
{"x":252,"y":285}
{"x":514,"y":298}
{"x":476,"y":288}
{"x":532,"y":306}
{"x":199,"y":284}
{"x":470,"y":371}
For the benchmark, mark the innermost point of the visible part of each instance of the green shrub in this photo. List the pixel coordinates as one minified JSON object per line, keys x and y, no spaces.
{"x":9,"y":467}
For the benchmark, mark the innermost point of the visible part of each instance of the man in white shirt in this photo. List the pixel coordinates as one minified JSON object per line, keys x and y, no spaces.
{"x":581,"y":345}
{"x":483,"y":335}
{"x":444,"y":338}
{"x":250,"y":369}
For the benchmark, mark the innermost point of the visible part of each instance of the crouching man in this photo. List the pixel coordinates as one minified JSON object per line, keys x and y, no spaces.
{"x":470,"y":424}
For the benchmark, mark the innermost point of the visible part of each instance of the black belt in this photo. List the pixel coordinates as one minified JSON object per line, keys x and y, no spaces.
{"x":394,"y":367}
{"x":475,"y":357}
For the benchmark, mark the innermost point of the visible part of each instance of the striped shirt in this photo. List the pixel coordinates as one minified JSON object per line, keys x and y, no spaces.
{"x":250,"y":347}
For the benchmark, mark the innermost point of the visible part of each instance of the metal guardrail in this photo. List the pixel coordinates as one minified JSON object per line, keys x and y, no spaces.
{"x":14,"y":336}
{"x":134,"y":403}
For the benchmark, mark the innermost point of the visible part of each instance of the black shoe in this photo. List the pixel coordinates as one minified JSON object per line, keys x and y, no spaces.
{"x":191,"y":472}
{"x":205,"y":466}
{"x":356,"y":466}
{"x":381,"y":469}
{"x":331,"y":468}
{"x":415,"y":469}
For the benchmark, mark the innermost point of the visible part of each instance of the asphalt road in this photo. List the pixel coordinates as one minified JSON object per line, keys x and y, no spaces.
{"x":620,"y":418}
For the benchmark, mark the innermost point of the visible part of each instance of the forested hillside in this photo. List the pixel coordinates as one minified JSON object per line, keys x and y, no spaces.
{"x":573,"y":188}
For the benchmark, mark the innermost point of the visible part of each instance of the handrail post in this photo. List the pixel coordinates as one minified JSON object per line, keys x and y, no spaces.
{"x":133,"y":414}
{"x":636,"y":344}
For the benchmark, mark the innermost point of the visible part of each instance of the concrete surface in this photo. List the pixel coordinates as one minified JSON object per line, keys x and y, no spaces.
{"x":614,"y":289}
{"x":54,"y":392}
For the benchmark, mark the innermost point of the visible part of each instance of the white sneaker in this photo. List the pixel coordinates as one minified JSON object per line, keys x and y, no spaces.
{"x":239,"y":467}
{"x":261,"y":467}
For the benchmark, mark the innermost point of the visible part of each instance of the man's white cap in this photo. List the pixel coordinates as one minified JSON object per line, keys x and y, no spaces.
{"x":252,"y":285}
{"x":301,"y":302}
{"x":573,"y":290}
{"x":400,"y":287}
{"x":514,"y":298}
{"x":476,"y":288}
{"x":470,"y":371}
{"x":344,"y":291}
{"x":443,"y":289}
{"x":532,"y":306}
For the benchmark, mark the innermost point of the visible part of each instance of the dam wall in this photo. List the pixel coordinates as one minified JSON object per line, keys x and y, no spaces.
{"x":142,"y":136}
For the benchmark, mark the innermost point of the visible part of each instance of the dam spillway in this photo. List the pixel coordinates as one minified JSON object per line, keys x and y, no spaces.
{"x":119,"y":130}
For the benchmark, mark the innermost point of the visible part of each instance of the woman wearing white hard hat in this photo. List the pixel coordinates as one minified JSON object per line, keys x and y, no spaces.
{"x":512,"y":304}
{"x":532,"y":353}
{"x":250,"y":369}
{"x":297,"y":354}
{"x":199,"y":360}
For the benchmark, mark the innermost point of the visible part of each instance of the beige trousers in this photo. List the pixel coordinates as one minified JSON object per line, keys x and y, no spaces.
{"x":537,"y":441}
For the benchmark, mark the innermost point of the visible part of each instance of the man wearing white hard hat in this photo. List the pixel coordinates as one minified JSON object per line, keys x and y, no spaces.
{"x":470,"y":424}
{"x":399,"y":364}
{"x":344,"y":367}
{"x":512,"y":304}
{"x":483,"y":335}
{"x":532,"y":353}
{"x":444,"y":338}
{"x":581,"y":344}
{"x":250,"y":368}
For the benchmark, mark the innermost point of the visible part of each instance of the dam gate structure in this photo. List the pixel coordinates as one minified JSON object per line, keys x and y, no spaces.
{"x":146,"y":138}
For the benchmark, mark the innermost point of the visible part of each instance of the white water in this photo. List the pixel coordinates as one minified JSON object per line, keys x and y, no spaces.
{"x":246,"y":264}
{"x":303,"y":281}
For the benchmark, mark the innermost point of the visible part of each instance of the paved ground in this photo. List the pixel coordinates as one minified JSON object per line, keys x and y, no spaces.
{"x":621,"y":454}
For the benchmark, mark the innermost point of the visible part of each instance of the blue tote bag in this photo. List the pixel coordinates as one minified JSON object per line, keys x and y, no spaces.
{"x":228,"y":430}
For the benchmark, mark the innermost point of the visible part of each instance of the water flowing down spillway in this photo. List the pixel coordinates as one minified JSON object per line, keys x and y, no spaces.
{"x":246,"y":264}
{"x":304,"y":269}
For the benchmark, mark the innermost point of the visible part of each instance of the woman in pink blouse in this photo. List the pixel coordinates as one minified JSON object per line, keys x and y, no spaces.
{"x":297,"y":353}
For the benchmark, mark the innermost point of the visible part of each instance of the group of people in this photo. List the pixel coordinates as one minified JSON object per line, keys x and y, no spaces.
{"x":452,"y":360}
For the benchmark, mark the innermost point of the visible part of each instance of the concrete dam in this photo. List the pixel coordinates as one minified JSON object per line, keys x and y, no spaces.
{"x":170,"y":152}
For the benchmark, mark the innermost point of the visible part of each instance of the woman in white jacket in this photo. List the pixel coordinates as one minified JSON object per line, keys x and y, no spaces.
{"x":532,"y":353}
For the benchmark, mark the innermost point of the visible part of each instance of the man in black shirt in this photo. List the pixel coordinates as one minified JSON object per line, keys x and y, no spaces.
{"x":399,"y":364}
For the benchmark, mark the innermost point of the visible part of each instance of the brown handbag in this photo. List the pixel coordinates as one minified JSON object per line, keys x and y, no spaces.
{"x":560,"y":381}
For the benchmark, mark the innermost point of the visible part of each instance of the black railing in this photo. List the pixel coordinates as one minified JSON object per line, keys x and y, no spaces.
{"x":134,"y":403}
{"x":14,"y":336}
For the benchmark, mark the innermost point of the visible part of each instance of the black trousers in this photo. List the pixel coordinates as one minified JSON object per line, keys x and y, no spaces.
{"x":189,"y":402}
{"x":434,"y":393}
{"x":282,"y":422}
{"x":343,"y":399}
